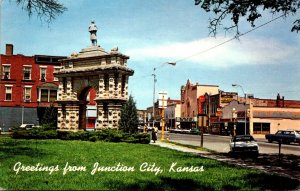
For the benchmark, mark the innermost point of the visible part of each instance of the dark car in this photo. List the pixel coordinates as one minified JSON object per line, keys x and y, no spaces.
{"x":284,"y":136}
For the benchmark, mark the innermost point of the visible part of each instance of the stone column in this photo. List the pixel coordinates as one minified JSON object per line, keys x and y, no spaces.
{"x":60,"y":120}
{"x":116,"y":86}
{"x":101,"y":121}
{"x":60,"y":91}
{"x":119,"y":86}
{"x":114,"y":115}
{"x":72,"y":118}
{"x":126,"y":87}
{"x":101,"y":90}
{"x":111,"y":85}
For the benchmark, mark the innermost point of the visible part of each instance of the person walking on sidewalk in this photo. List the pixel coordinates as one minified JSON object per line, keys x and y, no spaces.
{"x":153,"y":134}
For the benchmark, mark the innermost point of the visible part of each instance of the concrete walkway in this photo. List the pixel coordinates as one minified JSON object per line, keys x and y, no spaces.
{"x":269,"y":168}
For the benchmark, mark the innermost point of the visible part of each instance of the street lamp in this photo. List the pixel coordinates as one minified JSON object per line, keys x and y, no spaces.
{"x":237,"y":85}
{"x":154,"y":81}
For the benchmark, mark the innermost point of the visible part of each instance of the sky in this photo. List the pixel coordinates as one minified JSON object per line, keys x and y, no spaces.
{"x":264,"y":62}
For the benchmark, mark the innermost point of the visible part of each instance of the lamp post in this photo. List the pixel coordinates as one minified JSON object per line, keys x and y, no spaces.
{"x":154,"y":81}
{"x":237,"y":85}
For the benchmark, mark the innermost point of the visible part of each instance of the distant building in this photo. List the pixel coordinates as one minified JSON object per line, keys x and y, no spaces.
{"x":27,"y":87}
{"x":142,"y":115}
{"x":191,"y":95}
{"x":172,"y":113}
{"x":262,"y":115}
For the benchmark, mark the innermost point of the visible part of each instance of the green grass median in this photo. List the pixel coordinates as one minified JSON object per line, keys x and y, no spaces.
{"x":83,"y":165}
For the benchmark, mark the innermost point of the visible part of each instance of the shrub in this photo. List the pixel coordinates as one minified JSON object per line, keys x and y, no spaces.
{"x":35,"y":133}
{"x":107,"y":135}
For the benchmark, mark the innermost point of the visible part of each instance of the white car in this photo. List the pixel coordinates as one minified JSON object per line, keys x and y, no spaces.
{"x":244,"y":144}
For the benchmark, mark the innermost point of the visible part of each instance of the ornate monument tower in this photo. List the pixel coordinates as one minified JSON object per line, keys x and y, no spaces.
{"x":92,"y":67}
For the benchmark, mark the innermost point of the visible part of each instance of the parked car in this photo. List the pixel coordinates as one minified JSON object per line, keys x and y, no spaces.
{"x":27,"y":126}
{"x":195,"y":131}
{"x":284,"y":136}
{"x":244,"y":144}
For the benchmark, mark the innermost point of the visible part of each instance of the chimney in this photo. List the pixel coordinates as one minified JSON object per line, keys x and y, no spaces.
{"x":9,"y":49}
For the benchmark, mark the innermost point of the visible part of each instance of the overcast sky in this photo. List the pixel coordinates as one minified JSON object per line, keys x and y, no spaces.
{"x":152,"y":32}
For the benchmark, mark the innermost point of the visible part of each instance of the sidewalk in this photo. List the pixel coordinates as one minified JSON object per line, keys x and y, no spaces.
{"x":265,"y":162}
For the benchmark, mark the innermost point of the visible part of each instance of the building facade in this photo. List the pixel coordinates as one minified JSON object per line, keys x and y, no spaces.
{"x":172,"y":113}
{"x":27,"y":87}
{"x":191,"y":95}
{"x":261,"y":116}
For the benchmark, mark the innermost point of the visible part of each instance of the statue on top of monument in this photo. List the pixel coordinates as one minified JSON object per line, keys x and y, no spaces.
{"x":93,"y":31}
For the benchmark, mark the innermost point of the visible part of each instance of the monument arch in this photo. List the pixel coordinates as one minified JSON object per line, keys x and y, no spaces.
{"x":92,"y":68}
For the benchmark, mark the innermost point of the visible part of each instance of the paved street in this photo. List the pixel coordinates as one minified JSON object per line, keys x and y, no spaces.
{"x":221,"y":143}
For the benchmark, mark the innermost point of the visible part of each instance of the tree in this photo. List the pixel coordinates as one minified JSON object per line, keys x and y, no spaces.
{"x":50,"y":116}
{"x":45,"y":9}
{"x":129,"y":119}
{"x":249,"y":9}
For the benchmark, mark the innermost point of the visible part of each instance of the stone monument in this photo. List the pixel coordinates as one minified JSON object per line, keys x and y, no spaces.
{"x":92,"y":67}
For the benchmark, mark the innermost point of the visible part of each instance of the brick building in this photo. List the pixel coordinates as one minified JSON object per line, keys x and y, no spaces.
{"x":27,"y":87}
{"x":190,"y":96}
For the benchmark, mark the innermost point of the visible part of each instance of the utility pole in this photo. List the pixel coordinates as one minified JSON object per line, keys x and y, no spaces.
{"x":162,"y":119}
{"x":154,"y":81}
{"x":245,"y":108}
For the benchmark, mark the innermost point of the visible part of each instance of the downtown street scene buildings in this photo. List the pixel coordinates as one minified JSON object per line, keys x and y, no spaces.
{"x":221,"y":112}
{"x":87,"y":89}
{"x":28,"y":87}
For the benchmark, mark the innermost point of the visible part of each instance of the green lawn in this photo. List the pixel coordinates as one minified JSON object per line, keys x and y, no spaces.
{"x":54,"y":154}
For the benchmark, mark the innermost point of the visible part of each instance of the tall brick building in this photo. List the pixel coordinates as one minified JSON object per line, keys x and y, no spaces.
{"x":27,"y":87}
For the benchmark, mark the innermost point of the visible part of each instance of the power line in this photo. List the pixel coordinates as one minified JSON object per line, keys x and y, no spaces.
{"x":234,"y":38}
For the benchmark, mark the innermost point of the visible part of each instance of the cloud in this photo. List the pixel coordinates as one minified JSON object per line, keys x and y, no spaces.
{"x":246,"y":51}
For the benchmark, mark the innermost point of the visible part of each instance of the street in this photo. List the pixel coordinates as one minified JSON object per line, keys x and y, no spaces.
{"x":221,"y":143}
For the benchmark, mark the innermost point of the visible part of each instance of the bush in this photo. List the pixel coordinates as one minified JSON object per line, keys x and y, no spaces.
{"x":35,"y":133}
{"x":107,"y":135}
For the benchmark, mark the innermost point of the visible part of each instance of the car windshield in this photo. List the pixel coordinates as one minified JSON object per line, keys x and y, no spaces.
{"x":243,"y":139}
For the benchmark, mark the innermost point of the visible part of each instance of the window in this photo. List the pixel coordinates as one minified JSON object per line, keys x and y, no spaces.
{"x":44,"y":95}
{"x":261,"y":128}
{"x":8,"y":93}
{"x":43,"y":71}
{"x":6,"y":72}
{"x":53,"y":96}
{"x":27,"y":94}
{"x":48,"y":95}
{"x":27,"y":73}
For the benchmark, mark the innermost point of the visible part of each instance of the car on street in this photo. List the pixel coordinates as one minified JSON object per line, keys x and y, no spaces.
{"x":284,"y":136}
{"x":29,"y":126}
{"x":195,"y":131}
{"x":244,"y":144}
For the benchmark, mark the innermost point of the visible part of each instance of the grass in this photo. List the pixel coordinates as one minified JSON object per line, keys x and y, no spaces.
{"x":216,"y":175}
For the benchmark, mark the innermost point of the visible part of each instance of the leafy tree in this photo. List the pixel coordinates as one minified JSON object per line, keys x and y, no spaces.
{"x":45,"y":9}
{"x":129,"y":118}
{"x":50,"y":117}
{"x":249,"y":9}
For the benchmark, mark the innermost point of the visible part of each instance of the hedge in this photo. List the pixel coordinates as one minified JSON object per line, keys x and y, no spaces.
{"x":107,"y":135}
